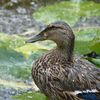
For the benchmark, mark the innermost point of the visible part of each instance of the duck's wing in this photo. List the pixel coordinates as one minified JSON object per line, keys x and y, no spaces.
{"x":84,"y":80}
{"x":69,"y":81}
{"x":90,"y":76}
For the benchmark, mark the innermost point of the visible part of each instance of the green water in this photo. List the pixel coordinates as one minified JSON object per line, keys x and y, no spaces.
{"x":67,"y":11}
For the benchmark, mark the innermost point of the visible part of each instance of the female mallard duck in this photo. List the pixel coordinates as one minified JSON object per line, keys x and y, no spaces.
{"x":58,"y":74}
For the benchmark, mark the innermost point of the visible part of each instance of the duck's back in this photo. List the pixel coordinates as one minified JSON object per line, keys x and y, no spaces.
{"x":60,"y":79}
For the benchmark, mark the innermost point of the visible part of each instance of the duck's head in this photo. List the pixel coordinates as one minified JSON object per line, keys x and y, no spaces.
{"x":59,"y":32}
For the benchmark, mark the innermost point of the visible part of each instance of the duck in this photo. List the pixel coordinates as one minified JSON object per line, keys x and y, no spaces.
{"x":58,"y":73}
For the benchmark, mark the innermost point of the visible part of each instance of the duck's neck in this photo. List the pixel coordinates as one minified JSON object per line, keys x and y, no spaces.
{"x":66,"y":48}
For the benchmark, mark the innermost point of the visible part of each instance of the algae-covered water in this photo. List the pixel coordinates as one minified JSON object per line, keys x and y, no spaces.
{"x":16,"y":56}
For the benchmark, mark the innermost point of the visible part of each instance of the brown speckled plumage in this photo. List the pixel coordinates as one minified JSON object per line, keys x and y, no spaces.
{"x":58,"y":74}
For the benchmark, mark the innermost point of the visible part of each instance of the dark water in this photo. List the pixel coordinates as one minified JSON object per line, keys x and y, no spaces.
{"x":12,"y":23}
{"x":16,"y":16}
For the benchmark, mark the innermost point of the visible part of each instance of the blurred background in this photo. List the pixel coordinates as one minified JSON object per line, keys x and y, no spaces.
{"x":20,"y":19}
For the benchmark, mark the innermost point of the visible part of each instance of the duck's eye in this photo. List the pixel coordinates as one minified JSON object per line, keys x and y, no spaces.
{"x":45,"y":34}
{"x":64,"y":33}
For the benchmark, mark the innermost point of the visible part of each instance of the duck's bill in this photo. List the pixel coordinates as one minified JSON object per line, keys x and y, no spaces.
{"x":38,"y":37}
